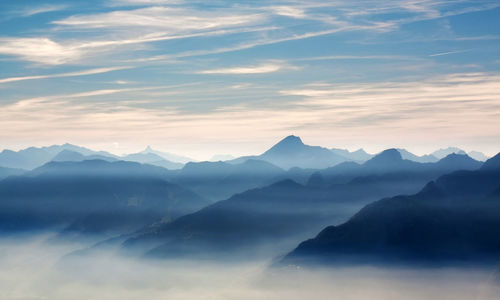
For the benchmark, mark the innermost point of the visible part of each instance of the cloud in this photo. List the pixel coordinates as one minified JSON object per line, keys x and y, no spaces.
{"x":168,"y":18}
{"x":41,"y":50}
{"x":42,"y":9}
{"x":70,"y":74}
{"x":256,"y":69}
{"x":447,"y":53}
{"x":440,"y":110}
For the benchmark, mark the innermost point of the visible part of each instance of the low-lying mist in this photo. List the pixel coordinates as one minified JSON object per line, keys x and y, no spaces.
{"x":37,"y":267}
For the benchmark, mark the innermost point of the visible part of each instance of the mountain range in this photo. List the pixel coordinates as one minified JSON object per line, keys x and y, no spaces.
{"x":285,"y":211}
{"x":455,"y":218}
{"x":92,"y":196}
{"x":393,"y":205}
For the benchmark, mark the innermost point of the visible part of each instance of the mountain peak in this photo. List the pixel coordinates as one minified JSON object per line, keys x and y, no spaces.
{"x":291,"y":140}
{"x":492,"y":163}
{"x":290,"y":144}
{"x":388,"y":155}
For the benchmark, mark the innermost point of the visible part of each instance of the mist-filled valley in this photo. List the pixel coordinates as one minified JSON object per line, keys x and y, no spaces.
{"x":33,"y":267}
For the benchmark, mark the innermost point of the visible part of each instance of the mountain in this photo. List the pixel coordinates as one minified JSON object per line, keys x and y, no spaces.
{"x":92,"y":196}
{"x":33,"y":157}
{"x":241,"y":224}
{"x":422,"y":159}
{"x":6,"y":172}
{"x":454,"y":219}
{"x":168,"y":156}
{"x":358,"y":155}
{"x":492,"y":164}
{"x":220,"y":180}
{"x":444,"y":152}
{"x":68,"y":155}
{"x":292,"y":152}
{"x":391,"y":161}
{"x":152,"y":159}
{"x":284,"y":211}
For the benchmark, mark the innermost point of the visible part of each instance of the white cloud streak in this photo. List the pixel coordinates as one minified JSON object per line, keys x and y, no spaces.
{"x":42,"y":9}
{"x":70,"y":74}
{"x":448,"y":53}
{"x":256,"y":69}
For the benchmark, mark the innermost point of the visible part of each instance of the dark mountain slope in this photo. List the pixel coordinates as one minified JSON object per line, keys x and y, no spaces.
{"x":456,"y":218}
{"x":243,"y":223}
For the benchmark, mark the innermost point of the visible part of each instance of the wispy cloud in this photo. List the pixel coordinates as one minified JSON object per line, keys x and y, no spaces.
{"x":436,"y":110}
{"x":168,"y":18}
{"x":255,"y":69}
{"x":448,"y":53}
{"x":31,"y":11}
{"x":41,"y":50}
{"x":70,"y":74}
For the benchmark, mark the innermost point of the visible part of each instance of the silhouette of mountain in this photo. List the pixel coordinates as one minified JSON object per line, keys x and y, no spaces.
{"x":292,"y":152}
{"x":358,"y":156}
{"x":286,"y":210}
{"x":391,"y":161}
{"x":94,"y":196}
{"x":6,"y":172}
{"x":168,"y":156}
{"x":220,"y":180}
{"x":422,"y":159}
{"x":68,"y":155}
{"x":241,"y":223}
{"x":455,"y":218}
{"x":33,"y":157}
{"x":152,"y":159}
{"x":492,"y":164}
{"x":447,"y":151}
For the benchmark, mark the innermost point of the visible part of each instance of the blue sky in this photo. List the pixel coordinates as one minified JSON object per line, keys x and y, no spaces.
{"x":235,"y":76}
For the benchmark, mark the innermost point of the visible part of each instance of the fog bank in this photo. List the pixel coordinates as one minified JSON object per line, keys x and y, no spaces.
{"x":31,"y":268}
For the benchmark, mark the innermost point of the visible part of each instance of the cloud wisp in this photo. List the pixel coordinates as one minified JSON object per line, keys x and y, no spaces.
{"x":255,"y":69}
{"x":69,"y":74}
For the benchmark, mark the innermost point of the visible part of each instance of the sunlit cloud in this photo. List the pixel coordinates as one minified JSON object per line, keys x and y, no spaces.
{"x":167,"y":18}
{"x":458,"y":106}
{"x":41,"y":50}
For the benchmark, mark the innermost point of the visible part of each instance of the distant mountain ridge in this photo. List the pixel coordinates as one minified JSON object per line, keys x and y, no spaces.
{"x":92,"y":196}
{"x":292,"y":152}
{"x":288,"y":153}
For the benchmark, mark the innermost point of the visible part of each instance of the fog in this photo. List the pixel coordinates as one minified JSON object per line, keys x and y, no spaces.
{"x":36,"y":267}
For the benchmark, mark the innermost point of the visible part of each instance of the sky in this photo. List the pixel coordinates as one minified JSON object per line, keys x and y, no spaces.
{"x":233,"y":77}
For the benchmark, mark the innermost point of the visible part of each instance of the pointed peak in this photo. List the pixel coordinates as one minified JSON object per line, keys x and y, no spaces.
{"x":291,"y":139}
{"x":148,"y":148}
